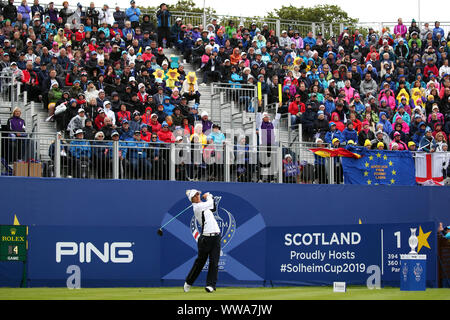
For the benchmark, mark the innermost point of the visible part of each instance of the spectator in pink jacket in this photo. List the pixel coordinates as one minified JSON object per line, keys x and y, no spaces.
{"x":399,"y":120}
{"x":400,"y":28}
{"x":439,"y":116}
{"x":388,"y":95}
{"x":349,"y":91}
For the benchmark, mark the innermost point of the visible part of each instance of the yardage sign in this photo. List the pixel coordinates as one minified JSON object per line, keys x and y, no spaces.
{"x":13,"y":243}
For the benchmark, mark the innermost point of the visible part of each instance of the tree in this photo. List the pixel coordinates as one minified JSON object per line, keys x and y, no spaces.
{"x":319,"y":13}
{"x":185,"y":6}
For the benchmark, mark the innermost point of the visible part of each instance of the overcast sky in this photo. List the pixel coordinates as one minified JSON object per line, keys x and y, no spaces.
{"x":366,"y":11}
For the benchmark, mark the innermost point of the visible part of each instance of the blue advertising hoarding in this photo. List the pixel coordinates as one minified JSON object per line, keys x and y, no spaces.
{"x":322,"y":255}
{"x":254,"y":220}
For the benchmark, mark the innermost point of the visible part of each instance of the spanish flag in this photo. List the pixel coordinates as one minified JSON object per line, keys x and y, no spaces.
{"x":330,"y":153}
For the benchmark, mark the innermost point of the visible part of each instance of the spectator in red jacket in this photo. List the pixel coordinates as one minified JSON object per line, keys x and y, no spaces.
{"x":156,"y":126}
{"x":296,"y":108}
{"x":165,"y":135}
{"x":100,"y":119}
{"x":339,"y":124}
{"x":431,"y":68}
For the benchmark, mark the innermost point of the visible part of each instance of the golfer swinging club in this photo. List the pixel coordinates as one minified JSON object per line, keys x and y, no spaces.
{"x":208,"y":242}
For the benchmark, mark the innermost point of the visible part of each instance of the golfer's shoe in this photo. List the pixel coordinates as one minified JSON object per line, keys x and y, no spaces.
{"x":209,"y":289}
{"x":186,"y":287}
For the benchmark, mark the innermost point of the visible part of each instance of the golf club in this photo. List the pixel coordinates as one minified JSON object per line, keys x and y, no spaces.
{"x":160,"y":232}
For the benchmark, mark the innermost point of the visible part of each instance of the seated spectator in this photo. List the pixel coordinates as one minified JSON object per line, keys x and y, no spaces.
{"x":397,"y":144}
{"x":80,"y":156}
{"x":365,"y":134}
{"x":427,"y":143}
{"x":77,"y":122}
{"x":349,"y":133}
{"x":333,"y":134}
{"x":291,"y":170}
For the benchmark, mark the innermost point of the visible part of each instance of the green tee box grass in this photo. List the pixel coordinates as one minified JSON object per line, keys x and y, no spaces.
{"x":228,"y":293}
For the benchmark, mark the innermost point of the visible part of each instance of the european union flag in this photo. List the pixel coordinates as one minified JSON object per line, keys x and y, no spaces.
{"x":379,"y":167}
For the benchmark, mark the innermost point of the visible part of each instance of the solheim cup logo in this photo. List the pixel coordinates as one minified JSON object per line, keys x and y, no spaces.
{"x":225,"y":220}
{"x":418,"y":270}
{"x":241,"y":226}
{"x":405,"y":272}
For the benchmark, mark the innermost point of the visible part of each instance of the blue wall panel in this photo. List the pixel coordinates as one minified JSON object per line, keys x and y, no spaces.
{"x":99,"y":211}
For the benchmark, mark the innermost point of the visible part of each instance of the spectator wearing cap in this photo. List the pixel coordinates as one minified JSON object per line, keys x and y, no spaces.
{"x":136,"y":121}
{"x":125,"y":132}
{"x":380,"y":137}
{"x":147,"y":116}
{"x":154,"y":123}
{"x":100,"y":119}
{"x":176,"y":30}
{"x":80,"y":151}
{"x":349,"y":133}
{"x":91,"y":91}
{"x":296,"y":108}
{"x":160,"y":113}
{"x":412,"y":146}
{"x":77,"y":122}
{"x":206,"y":123}
{"x":108,"y":128}
{"x":119,"y":17}
{"x":387,"y":126}
{"x":101,"y":154}
{"x":89,"y":130}
{"x":148,"y":28}
{"x":365,"y":134}
{"x":146,"y":133}
{"x":397,"y":142}
{"x":438,"y":31}
{"x":140,"y":165}
{"x":165,"y":135}
{"x":54,"y":94}
{"x":217,"y":136}
{"x":163,"y":21}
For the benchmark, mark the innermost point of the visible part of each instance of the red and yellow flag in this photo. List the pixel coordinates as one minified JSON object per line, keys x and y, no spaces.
{"x":330,"y":153}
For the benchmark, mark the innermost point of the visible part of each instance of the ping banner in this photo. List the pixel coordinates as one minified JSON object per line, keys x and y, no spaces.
{"x":252,"y":254}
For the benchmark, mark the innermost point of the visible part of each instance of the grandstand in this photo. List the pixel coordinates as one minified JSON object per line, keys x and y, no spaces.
{"x":295,"y":117}
{"x":232,"y":100}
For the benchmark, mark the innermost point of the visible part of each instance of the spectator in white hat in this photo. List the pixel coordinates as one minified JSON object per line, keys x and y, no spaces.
{"x":206,"y":123}
{"x":108,"y":112}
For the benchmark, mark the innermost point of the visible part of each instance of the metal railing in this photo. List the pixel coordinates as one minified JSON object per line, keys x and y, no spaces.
{"x":230,"y":102}
{"x":327,"y":29}
{"x":380,"y":25}
{"x":10,"y":89}
{"x":13,"y":94}
{"x":45,"y":155}
{"x":197,"y":19}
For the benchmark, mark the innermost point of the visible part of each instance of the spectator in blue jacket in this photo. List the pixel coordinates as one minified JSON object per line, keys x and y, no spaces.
{"x":333,"y":133}
{"x":133,"y":14}
{"x":163,"y":17}
{"x":140,"y":165}
{"x":349,"y":133}
{"x":437,"y":29}
{"x":80,"y":156}
{"x":427,"y":143}
{"x":309,"y":39}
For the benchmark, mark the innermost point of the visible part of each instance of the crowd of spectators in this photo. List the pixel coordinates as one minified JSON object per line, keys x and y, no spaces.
{"x":105,"y":70}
